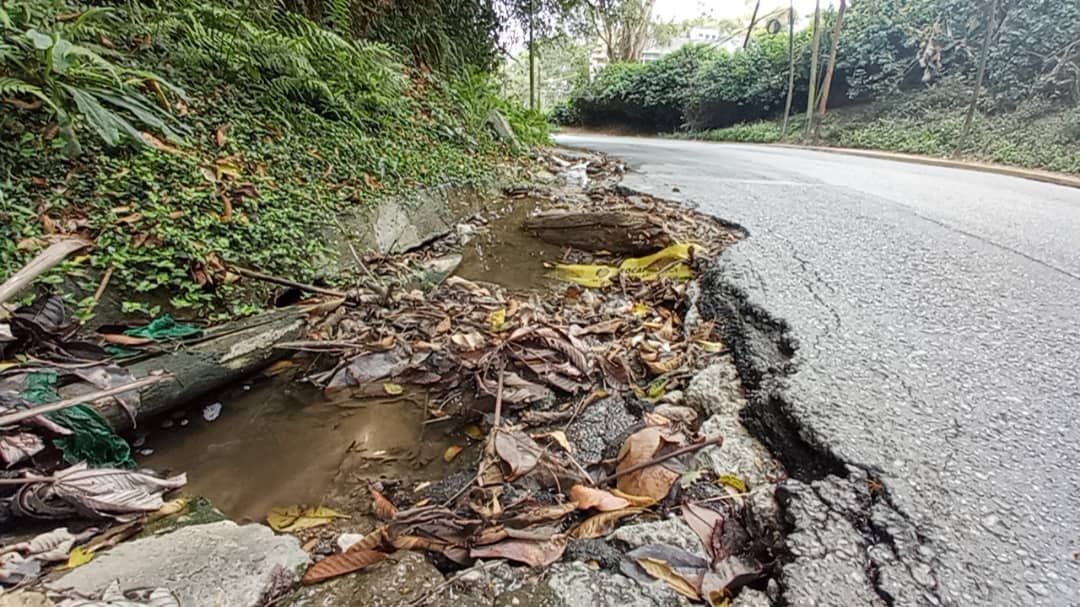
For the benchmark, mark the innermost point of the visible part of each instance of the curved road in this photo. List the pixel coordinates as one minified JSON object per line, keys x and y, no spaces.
{"x":937,"y":313}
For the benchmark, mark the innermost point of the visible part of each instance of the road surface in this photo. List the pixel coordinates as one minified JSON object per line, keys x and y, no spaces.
{"x":937,"y":315}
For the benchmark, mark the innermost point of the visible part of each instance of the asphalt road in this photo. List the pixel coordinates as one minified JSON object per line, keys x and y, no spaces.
{"x":937,"y":313}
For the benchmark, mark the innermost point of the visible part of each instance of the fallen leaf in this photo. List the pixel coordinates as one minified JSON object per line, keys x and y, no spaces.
{"x":635,"y":500}
{"x":497,"y":320}
{"x":219,"y":135}
{"x":661,"y":367}
{"x":106,"y":492}
{"x":340,"y":564}
{"x":474,"y":432}
{"x":79,"y":556}
{"x":130,"y":219}
{"x":663,"y":571}
{"x":690,"y":477}
{"x":392,"y":388}
{"x":120,"y":339}
{"x":279,"y":367}
{"x":642,"y":446}
{"x":384,"y":508}
{"x":733,"y":481}
{"x":559,"y":437}
{"x":703,"y":521}
{"x":639,"y":309}
{"x":226,"y":167}
{"x":451,"y":452}
{"x":519,"y":452}
{"x":542,"y":514}
{"x":599,"y":525}
{"x":295,"y":518}
{"x":657,"y":388}
{"x":158,"y":144}
{"x":589,"y":498}
{"x":532,"y":553}
{"x":711,"y":346}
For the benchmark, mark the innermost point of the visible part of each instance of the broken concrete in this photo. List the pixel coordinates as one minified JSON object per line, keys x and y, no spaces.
{"x":215,"y":564}
{"x":673,"y":532}
{"x":717,"y":391}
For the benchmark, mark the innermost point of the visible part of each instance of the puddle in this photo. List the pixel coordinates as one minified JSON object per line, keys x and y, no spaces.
{"x":283,"y":443}
{"x":505,"y":255}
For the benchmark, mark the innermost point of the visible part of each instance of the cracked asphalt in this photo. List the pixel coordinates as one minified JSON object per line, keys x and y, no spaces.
{"x":937,"y":313}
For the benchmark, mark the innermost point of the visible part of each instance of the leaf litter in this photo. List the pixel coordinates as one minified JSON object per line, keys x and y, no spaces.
{"x":521,"y":367}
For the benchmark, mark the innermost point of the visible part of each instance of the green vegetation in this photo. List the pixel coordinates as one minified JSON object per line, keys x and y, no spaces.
{"x":904,"y":77}
{"x":187,"y":136}
{"x":1037,"y":136}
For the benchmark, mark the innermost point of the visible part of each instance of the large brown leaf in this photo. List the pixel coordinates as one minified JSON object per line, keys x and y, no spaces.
{"x":641,"y":447}
{"x":704,"y":521}
{"x":602,"y":524}
{"x":384,"y":508}
{"x":587,"y":498}
{"x":518,"y":450}
{"x":534,"y":554}
{"x":340,"y":564}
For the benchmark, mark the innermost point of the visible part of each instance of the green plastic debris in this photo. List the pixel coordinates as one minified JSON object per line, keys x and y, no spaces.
{"x":164,"y":328}
{"x":92,"y":441}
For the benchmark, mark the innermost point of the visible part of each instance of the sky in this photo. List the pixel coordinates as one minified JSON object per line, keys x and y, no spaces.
{"x":680,"y":10}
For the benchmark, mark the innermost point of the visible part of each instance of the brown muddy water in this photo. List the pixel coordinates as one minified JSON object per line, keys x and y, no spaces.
{"x":282,"y":443}
{"x":278,"y":442}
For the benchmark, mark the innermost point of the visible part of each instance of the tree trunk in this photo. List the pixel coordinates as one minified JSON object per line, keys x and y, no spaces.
{"x":815,"y":54}
{"x":827,"y":85}
{"x":753,"y":20}
{"x":532,"y":61}
{"x":791,"y":67}
{"x":984,"y":54}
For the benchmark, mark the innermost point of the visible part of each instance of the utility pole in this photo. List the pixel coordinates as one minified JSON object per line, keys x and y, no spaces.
{"x":791,"y":66}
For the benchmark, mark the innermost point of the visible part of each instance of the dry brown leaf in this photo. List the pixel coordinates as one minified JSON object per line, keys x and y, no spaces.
{"x":219,"y":135}
{"x":635,"y":500}
{"x":384,"y":508}
{"x":559,"y":437}
{"x":599,"y":525}
{"x":542,"y":514}
{"x":340,"y":564}
{"x":661,"y":367}
{"x":158,"y":144}
{"x":588,"y":497}
{"x":414,"y":542}
{"x":703,"y":521}
{"x":519,"y":452}
{"x":534,"y":554}
{"x":663,"y":571}
{"x":641,"y":447}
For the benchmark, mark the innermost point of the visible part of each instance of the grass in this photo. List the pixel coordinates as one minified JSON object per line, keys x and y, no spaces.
{"x":1038,"y":137}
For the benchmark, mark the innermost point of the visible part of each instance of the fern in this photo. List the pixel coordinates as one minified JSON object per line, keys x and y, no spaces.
{"x":13,"y":86}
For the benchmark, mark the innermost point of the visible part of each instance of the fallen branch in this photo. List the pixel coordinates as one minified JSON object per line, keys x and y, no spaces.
{"x":716,"y":440}
{"x":45,"y":261}
{"x":18,"y":416}
{"x":290,"y":283}
{"x":319,"y":346}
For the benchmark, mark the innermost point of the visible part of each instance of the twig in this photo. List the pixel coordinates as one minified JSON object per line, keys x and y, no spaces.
{"x":716,"y":440}
{"x":319,"y":346}
{"x":498,"y":403}
{"x":19,"y":416}
{"x":44,"y":261}
{"x":289,"y":283}
{"x":102,"y":286}
{"x":461,"y":492}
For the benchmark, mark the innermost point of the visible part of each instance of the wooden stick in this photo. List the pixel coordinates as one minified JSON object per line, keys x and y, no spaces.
{"x":716,"y":440}
{"x":44,"y":262}
{"x":25,"y":414}
{"x":103,"y":285}
{"x":498,"y":403}
{"x":289,"y":283}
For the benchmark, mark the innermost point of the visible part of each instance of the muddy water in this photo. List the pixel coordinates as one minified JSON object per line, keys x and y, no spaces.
{"x":505,"y":255}
{"x":283,"y":443}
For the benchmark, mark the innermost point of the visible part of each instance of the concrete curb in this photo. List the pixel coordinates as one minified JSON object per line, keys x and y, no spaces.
{"x":983,"y":167}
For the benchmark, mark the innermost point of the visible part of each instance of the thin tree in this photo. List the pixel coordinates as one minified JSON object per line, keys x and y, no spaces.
{"x":750,"y":30}
{"x":815,"y":54}
{"x":791,"y":66}
{"x":532,"y":58}
{"x":827,"y":85}
{"x":965,"y":131}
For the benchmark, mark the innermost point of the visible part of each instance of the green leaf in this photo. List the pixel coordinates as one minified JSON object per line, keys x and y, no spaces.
{"x":41,"y":41}
{"x":61,"y":53}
